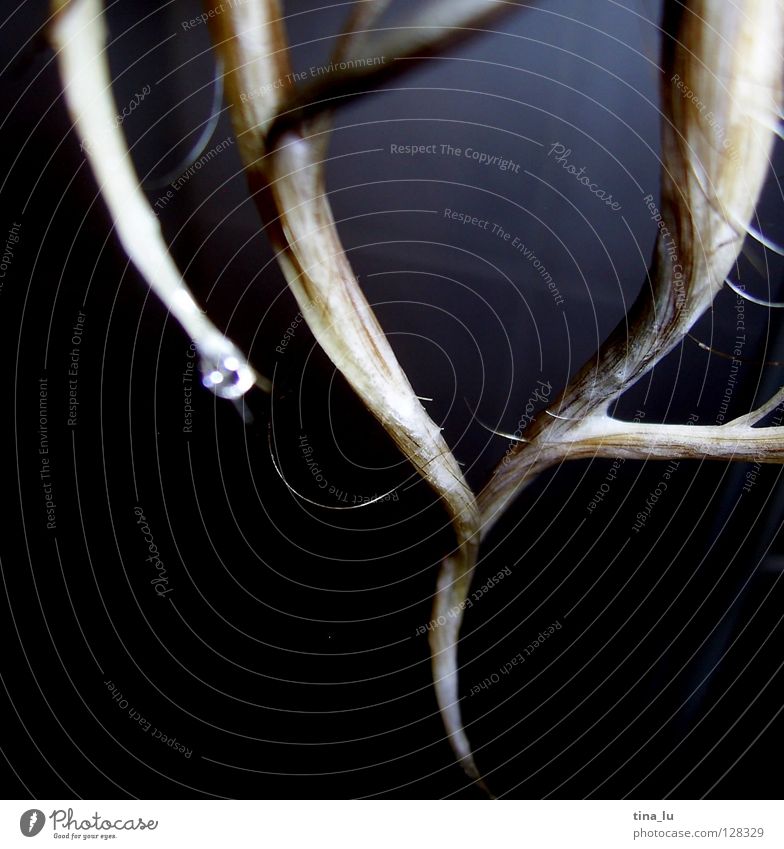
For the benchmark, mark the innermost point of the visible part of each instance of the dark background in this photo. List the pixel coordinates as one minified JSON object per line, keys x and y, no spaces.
{"x":285,"y":657}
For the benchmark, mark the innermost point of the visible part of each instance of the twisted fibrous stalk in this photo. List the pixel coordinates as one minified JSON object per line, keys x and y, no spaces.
{"x":731,"y":53}
{"x":78,"y":34}
{"x":281,"y":137}
{"x":728,"y":52}
{"x":287,"y":184}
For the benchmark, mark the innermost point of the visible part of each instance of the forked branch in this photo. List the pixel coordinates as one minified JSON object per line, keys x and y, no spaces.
{"x":731,"y":53}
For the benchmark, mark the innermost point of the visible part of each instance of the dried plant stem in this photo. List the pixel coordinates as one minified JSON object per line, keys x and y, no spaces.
{"x":730,"y":54}
{"x":347,"y":45}
{"x":78,"y":34}
{"x":612,"y":438}
{"x":604,"y":436}
{"x":369,"y":62}
{"x":704,"y":194}
{"x":361,"y":16}
{"x":286,"y":176}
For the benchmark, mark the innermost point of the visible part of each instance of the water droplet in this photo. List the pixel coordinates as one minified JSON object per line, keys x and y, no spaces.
{"x":228,"y":377}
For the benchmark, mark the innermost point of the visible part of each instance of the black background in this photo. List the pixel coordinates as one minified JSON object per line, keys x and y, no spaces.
{"x":286,"y":656}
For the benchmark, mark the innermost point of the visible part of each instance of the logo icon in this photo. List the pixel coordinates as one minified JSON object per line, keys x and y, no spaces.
{"x":31,"y":822}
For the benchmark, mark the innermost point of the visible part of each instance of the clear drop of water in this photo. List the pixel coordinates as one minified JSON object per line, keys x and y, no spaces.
{"x":228,"y":376}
